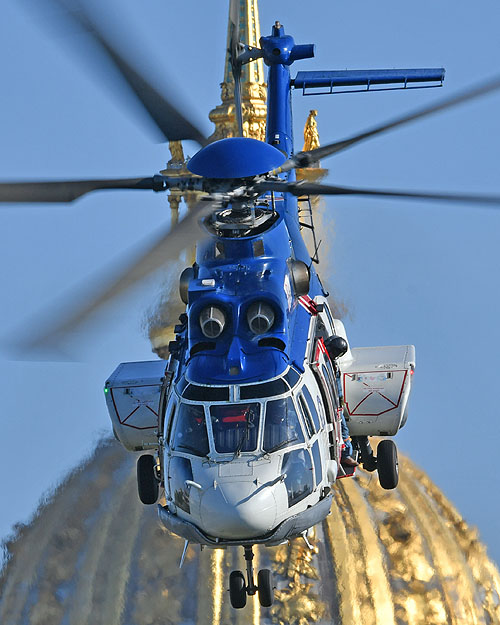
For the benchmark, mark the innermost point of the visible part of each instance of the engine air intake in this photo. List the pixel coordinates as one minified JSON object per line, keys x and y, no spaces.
{"x":212,"y":322}
{"x":260,"y":317}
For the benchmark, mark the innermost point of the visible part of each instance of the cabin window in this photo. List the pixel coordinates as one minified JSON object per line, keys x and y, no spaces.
{"x":331,"y":382}
{"x":331,"y":374}
{"x":170,"y":422}
{"x":235,"y":427}
{"x":297,"y":467}
{"x":329,"y":315}
{"x":191,"y":430}
{"x":307,"y":416}
{"x":321,"y":329}
{"x":312,"y":408}
{"x":326,"y":396}
{"x":317,"y":463}
{"x":282,"y":426}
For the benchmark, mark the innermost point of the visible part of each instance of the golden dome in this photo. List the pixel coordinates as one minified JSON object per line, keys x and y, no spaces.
{"x":94,"y":555}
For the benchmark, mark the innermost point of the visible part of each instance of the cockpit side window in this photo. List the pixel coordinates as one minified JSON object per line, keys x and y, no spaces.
{"x":297,"y":467}
{"x":191,"y":430}
{"x":170,"y":423}
{"x":282,"y":426}
{"x":235,"y":427}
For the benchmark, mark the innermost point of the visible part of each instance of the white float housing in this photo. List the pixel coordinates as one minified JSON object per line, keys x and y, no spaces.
{"x":132,"y":396}
{"x":376,"y":383}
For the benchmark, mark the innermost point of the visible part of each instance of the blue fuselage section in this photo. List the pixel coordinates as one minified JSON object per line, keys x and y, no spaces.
{"x":234,"y":273}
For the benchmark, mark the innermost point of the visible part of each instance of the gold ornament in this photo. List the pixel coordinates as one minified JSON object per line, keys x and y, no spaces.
{"x":311,"y":135}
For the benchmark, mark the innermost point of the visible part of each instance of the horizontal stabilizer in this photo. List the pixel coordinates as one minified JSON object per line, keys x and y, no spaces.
{"x":350,"y":81}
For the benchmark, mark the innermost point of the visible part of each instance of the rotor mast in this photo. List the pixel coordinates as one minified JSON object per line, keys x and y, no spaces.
{"x":279,"y":52}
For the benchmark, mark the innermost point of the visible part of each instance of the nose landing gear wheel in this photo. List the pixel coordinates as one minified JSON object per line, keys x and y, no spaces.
{"x":266,"y":588}
{"x":387,"y":464}
{"x":237,"y":589}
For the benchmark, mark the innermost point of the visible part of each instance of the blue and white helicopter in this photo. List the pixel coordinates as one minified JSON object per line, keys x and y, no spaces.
{"x":243,"y":424}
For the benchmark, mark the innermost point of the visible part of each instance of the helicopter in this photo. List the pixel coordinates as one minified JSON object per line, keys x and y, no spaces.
{"x":249,"y":199}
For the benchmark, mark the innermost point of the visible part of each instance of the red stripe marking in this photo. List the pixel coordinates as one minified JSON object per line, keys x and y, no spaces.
{"x":153,"y":411}
{"x":359,"y":404}
{"x":308,"y":304}
{"x":128,"y":417}
{"x":389,"y":400}
{"x":341,"y":477}
{"x":135,"y":427}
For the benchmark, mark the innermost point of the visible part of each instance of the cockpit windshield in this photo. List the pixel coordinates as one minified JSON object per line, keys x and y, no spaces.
{"x":191,"y":431}
{"x":235,"y":427}
{"x":282,"y":427}
{"x":268,"y":425}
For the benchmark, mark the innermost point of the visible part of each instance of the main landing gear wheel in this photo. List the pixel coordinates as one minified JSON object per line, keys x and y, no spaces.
{"x":387,"y":464}
{"x":266,"y":588}
{"x":147,"y":483}
{"x":237,"y":589}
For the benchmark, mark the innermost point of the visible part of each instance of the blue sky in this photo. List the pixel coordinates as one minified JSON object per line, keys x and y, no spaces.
{"x":408,"y":272}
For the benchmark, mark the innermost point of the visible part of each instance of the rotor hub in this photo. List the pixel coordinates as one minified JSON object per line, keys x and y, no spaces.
{"x":242,"y":220}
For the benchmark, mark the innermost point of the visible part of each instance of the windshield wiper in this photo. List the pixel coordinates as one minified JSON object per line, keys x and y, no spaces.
{"x":280,"y":445}
{"x":246,"y":434}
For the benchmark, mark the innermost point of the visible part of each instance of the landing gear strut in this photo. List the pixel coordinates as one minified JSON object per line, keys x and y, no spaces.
{"x":238,"y":590}
{"x":362,"y":444}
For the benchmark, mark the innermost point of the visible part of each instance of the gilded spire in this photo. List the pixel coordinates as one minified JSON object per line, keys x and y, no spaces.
{"x":253,"y":86}
{"x":250,"y":35}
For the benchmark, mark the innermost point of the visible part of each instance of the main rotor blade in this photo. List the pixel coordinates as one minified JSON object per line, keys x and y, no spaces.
{"x":162,"y":249}
{"x":70,"y":190}
{"x":172,"y":124}
{"x":234,"y":50}
{"x":311,"y":188}
{"x":305,"y":159}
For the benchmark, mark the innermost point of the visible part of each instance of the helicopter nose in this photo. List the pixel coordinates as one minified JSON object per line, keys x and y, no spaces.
{"x":238,"y":510}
